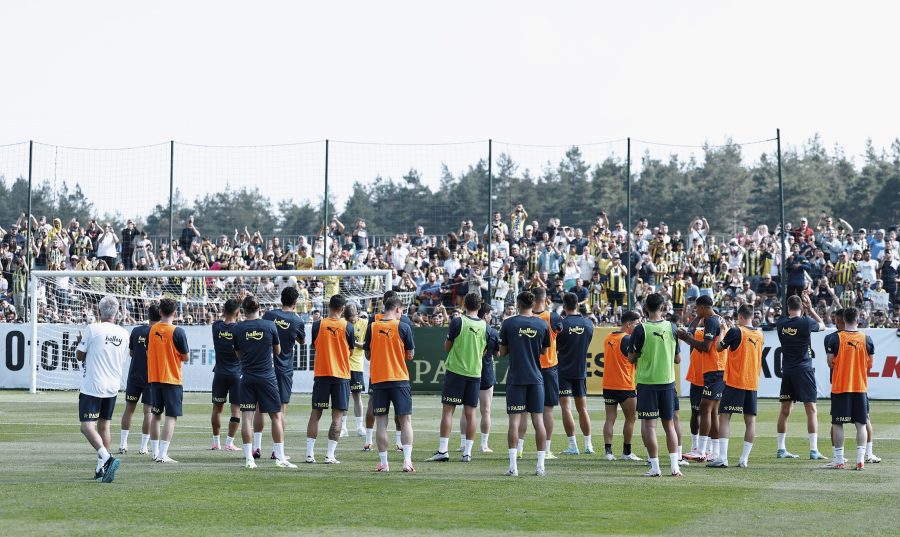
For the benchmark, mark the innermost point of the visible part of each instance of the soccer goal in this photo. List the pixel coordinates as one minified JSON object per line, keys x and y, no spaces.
{"x":66,"y":301}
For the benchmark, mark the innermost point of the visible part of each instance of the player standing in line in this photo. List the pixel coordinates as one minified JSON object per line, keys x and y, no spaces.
{"x":524,"y":338}
{"x":137,"y":386}
{"x":713,"y":367}
{"x":256,"y":343}
{"x":357,"y":382}
{"x":465,"y":346}
{"x":572,"y":345}
{"x":334,"y":339}
{"x":102,"y":349}
{"x":619,"y":386}
{"x":226,"y":381}
{"x":850,"y":353}
{"x":695,"y":379}
{"x":290,"y":329}
{"x":488,"y":379}
{"x":389,"y":344}
{"x":744,"y":345}
{"x":654,"y":350}
{"x":798,"y":381}
{"x":167,"y":350}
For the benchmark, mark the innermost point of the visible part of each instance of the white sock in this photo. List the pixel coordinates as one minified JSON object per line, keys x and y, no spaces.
{"x":839,"y":455}
{"x":520,"y":446}
{"x":310,"y":447}
{"x":462,"y":440}
{"x":279,"y":451}
{"x":572,"y":442}
{"x":102,"y":457}
{"x":781,"y":440}
{"x":257,"y":441}
{"x":869,"y":452}
{"x":484,"y":439}
{"x":332,"y":445}
{"x":407,"y":453}
{"x":680,"y":453}
{"x":723,"y":449}
{"x":673,"y":462}
{"x":547,"y":447}
{"x":154,"y":448}
{"x":123,"y":437}
{"x":217,"y":440}
{"x":443,"y":444}
{"x":344,"y":422}
{"x":654,"y":465}
{"x":382,"y":456}
{"x":369,"y":436}
{"x":248,"y":452}
{"x":468,"y":449}
{"x":813,"y":442}
{"x":588,"y":443}
{"x":745,"y":453}
{"x":145,"y":439}
{"x":714,"y":448}
{"x":513,"y":462}
{"x":540,"y":462}
{"x":860,"y":454}
{"x":397,"y":437}
{"x":163,"y":449}
{"x":695,"y":442}
{"x":229,"y":441}
{"x":359,"y":422}
{"x":701,"y":444}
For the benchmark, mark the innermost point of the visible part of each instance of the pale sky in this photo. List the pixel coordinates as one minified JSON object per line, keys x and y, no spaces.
{"x":122,"y":74}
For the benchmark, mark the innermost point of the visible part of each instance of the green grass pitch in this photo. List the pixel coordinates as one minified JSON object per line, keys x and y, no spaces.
{"x":46,"y":466}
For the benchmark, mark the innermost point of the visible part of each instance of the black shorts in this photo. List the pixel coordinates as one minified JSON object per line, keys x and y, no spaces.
{"x":615,"y":299}
{"x":696,"y":395}
{"x":225,"y":385}
{"x":166,"y":398}
{"x":713,"y":385}
{"x":551,"y":386}
{"x":386,"y":393}
{"x":656,"y":401}
{"x":330,"y":389}
{"x":488,"y":374}
{"x":92,"y":408}
{"x":137,"y":389}
{"x":799,"y":386}
{"x":261,"y":393}
{"x":849,"y":407}
{"x":285,"y":384}
{"x":677,"y":402}
{"x":738,"y":401}
{"x":524,"y":398}
{"x":617,"y":397}
{"x":572,"y":387}
{"x":357,"y":383}
{"x":460,"y":390}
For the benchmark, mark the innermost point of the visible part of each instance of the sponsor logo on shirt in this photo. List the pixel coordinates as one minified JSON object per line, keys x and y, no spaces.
{"x":528,"y":332}
{"x":789,"y":331}
{"x":226,"y":335}
{"x":255,"y":335}
{"x":283,"y":324}
{"x":660,"y":335}
{"x":115,"y":340}
{"x":386,"y":333}
{"x":576,"y":329}
{"x":333,"y":330}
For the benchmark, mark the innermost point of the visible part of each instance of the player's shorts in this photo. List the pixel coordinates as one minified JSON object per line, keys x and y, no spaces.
{"x":572,"y":387}
{"x":386,"y":393}
{"x":137,"y":389}
{"x":226,"y":386}
{"x":849,"y":407}
{"x":713,"y":385}
{"x":330,"y":389}
{"x":488,"y":374}
{"x":615,"y":299}
{"x":677,"y":402}
{"x":525,"y":398}
{"x":285,"y":384}
{"x":617,"y":397}
{"x":696,"y":395}
{"x":166,"y":398}
{"x":799,"y":386}
{"x":357,"y":383}
{"x":867,"y":404}
{"x":656,"y":401}
{"x":92,"y":408}
{"x":738,"y":401}
{"x":460,"y":390}
{"x":551,"y":386}
{"x":259,"y":393}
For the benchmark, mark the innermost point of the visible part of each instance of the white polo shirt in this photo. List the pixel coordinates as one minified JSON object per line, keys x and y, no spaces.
{"x":106,"y":347}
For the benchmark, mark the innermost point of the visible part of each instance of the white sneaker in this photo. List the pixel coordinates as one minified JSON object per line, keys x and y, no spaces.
{"x":485,"y":449}
{"x":360,"y":432}
{"x":631,"y":457}
{"x":344,"y":433}
{"x":143,"y":452}
{"x":331,"y":460}
{"x":539,"y":471}
{"x":282,"y":463}
{"x":166,"y":460}
{"x":742,"y":464}
{"x":875,"y":459}
{"x":123,"y":450}
{"x":310,"y":459}
{"x":250,"y":463}
{"x":610,"y":457}
{"x":512,"y":473}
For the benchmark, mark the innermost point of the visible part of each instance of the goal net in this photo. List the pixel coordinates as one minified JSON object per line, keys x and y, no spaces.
{"x":66,"y":301}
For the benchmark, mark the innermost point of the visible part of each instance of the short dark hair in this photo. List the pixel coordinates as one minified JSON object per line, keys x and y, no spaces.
{"x":655,"y":302}
{"x":153,"y":313}
{"x":289,"y":296}
{"x":388,"y":294}
{"x":745,"y":311}
{"x":231,"y":306}
{"x":704,"y":300}
{"x":570,"y":301}
{"x":392,"y":302}
{"x":539,"y":293}
{"x":839,"y":314}
{"x":472,"y":301}
{"x":851,"y":315}
{"x":794,"y":303}
{"x":336,"y":302}
{"x":250,"y":304}
{"x":167,"y":307}
{"x":525,"y":299}
{"x":630,"y":316}
{"x":484,"y":310}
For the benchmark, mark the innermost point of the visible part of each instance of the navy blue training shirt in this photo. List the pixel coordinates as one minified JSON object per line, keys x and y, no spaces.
{"x":255,"y":340}
{"x":137,"y":344}
{"x":227,"y":362}
{"x":290,"y":329}
{"x":572,"y":345}
{"x":525,"y":338}
{"x":794,"y":335}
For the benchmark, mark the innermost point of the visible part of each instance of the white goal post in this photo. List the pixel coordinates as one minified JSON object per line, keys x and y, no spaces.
{"x":62,"y":302}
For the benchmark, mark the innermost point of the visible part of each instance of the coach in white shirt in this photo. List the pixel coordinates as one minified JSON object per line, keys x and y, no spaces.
{"x":103,"y":348}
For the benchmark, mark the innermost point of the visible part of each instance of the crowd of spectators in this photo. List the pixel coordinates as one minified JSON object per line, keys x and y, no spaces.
{"x":839,"y":265}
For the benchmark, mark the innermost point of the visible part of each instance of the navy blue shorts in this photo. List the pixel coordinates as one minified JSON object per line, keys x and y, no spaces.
{"x":696,"y":395}
{"x":572,"y":387}
{"x":713,"y":385}
{"x":656,"y":401}
{"x":677,"y":403}
{"x":799,"y":386}
{"x":285,"y":384}
{"x":849,"y":407}
{"x":166,"y":398}
{"x":357,"y":383}
{"x":525,"y":398}
{"x":330,"y":390}
{"x":617,"y":397}
{"x":92,"y":408}
{"x":551,"y":386}
{"x":488,"y":374}
{"x":137,"y":390}
{"x":460,"y":390}
{"x":738,"y":401}
{"x":386,"y":393}
{"x":260,"y":393}
{"x":225,"y":385}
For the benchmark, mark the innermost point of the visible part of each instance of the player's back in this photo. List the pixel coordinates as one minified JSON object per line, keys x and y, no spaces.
{"x":572,"y":344}
{"x":290,"y":330}
{"x":851,"y":363}
{"x":387,"y":343}
{"x":333,"y":340}
{"x":106,"y":352}
{"x":525,"y":339}
{"x":469,"y":336}
{"x":137,"y":344}
{"x":223,"y":343}
{"x":794,"y":336}
{"x":744,"y":363}
{"x":618,"y":372}
{"x":255,"y":340}
{"x":167,"y":345}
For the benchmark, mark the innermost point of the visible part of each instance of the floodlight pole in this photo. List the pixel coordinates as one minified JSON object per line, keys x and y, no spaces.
{"x":171,"y":197}
{"x":490,"y":216}
{"x":325,"y":212}
{"x":782,"y":272}
{"x":629,"y":279}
